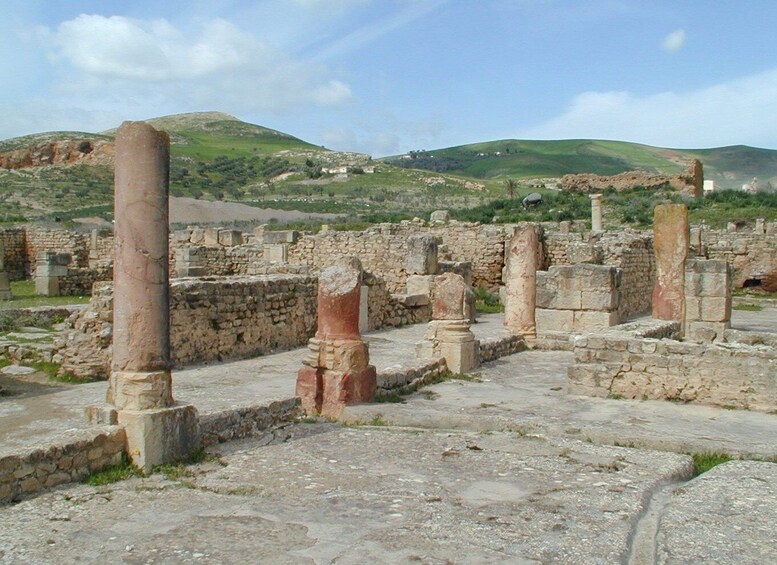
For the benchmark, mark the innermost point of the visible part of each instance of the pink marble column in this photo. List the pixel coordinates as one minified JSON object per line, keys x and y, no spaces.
{"x":671,"y":239}
{"x":337,"y":372}
{"x":140,"y":370}
{"x":522,"y":258}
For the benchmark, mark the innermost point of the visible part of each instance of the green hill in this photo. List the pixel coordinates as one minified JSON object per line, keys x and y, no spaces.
{"x":729,"y":167}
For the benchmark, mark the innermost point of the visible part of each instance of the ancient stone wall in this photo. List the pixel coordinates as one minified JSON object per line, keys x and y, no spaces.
{"x":78,"y":455}
{"x":752,"y":255}
{"x":621,"y":364}
{"x":79,"y":280}
{"x":15,"y":252}
{"x":690,"y":182}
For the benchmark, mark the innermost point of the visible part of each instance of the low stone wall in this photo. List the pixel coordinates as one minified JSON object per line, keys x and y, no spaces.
{"x":624,"y":364}
{"x":74,"y":457}
{"x":751,"y":254}
{"x":16,"y":261}
{"x":237,"y":423}
{"x":493,"y":348}
{"x":80,"y":280}
{"x":410,"y":376}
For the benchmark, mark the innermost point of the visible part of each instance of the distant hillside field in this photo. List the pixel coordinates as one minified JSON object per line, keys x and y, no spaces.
{"x":729,"y":167}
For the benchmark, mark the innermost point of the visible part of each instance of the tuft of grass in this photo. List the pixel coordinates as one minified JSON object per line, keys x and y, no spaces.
{"x":474,"y":378}
{"x":378,"y":420}
{"x":748,"y":307}
{"x":703,"y":462}
{"x":615,"y":396}
{"x":121,"y":472}
{"x":391,"y":397}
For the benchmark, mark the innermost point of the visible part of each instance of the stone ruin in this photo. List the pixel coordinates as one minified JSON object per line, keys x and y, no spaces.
{"x":690,"y":182}
{"x":240,"y":294}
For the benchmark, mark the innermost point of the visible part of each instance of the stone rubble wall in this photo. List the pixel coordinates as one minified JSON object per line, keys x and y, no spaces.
{"x":80,"y":280}
{"x":15,"y":252}
{"x":237,"y":423}
{"x":218,"y":318}
{"x":623,"y":364}
{"x":73,"y":458}
{"x":752,"y":255}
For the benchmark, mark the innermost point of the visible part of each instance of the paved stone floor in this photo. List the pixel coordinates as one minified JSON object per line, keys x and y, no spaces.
{"x":505,"y":468}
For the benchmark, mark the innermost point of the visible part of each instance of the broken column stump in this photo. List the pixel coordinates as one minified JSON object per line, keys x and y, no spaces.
{"x":448,"y":334}
{"x":337,"y":372}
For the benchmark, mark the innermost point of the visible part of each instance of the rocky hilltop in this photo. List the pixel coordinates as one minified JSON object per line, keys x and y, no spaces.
{"x":690,"y":182}
{"x":63,"y":152}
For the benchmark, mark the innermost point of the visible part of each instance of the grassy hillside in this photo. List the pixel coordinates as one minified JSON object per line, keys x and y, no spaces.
{"x":729,"y":167}
{"x":218,"y":157}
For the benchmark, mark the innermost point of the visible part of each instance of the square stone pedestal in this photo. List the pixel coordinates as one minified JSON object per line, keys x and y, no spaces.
{"x":453,"y":340}
{"x":327,"y":392}
{"x":159,"y":436}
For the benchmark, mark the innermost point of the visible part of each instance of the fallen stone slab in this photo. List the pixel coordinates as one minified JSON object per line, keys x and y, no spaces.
{"x":358,"y":495}
{"x":726,"y":515}
{"x":17,"y":370}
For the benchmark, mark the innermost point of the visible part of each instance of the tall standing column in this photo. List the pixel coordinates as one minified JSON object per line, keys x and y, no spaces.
{"x":140,"y":370}
{"x":671,"y":240}
{"x":596,"y":212}
{"x":140,"y":383}
{"x":522,"y":260}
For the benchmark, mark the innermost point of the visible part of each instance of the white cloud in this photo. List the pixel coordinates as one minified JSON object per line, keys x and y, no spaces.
{"x":723,"y":114}
{"x":673,"y":42}
{"x":221,"y":63}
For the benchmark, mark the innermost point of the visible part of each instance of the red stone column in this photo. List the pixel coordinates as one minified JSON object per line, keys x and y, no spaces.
{"x":157,"y":430}
{"x":140,"y":370}
{"x":522,"y":258}
{"x":671,"y":239}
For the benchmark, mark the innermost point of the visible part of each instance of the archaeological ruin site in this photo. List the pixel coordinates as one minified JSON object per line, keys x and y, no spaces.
{"x":280,"y":396}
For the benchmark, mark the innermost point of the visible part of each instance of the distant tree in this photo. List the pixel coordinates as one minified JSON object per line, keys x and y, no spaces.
{"x":510,"y":186}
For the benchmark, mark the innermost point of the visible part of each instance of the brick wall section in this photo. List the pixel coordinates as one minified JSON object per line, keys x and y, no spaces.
{"x":79,"y":281}
{"x":622,"y":364}
{"x":15,"y":252}
{"x":70,"y":459}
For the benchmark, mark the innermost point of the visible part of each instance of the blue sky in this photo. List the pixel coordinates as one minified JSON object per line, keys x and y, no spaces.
{"x":389,"y":76}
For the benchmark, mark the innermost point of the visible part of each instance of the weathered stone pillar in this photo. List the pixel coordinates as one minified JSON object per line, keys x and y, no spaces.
{"x":707,"y":299}
{"x":49,"y":267}
{"x":5,"y":283}
{"x":337,"y":371}
{"x":448,"y":334}
{"x":140,"y":382}
{"x":671,"y":237}
{"x":596,"y":212}
{"x":522,"y":261}
{"x":421,"y":255}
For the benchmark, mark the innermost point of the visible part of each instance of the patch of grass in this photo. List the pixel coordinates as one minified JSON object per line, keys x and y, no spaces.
{"x":378,"y":420}
{"x":121,"y":472}
{"x":474,"y":378}
{"x":703,"y":462}
{"x":487,"y":302}
{"x":24,"y":297}
{"x":612,"y":396}
{"x":391,"y":397}
{"x":748,"y":307}
{"x":46,"y":367}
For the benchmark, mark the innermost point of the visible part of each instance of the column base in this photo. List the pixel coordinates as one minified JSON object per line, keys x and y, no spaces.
{"x":327,"y":392}
{"x":159,"y":436}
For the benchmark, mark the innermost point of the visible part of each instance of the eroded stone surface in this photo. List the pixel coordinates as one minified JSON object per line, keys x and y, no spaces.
{"x":359,"y":495}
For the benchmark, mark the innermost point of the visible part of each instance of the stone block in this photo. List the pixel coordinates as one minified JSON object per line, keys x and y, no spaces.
{"x":197,"y":236}
{"x":47,"y":286}
{"x":554,"y":320}
{"x":278,"y":252}
{"x":606,"y":301}
{"x":364,"y":313}
{"x":590,"y":320}
{"x":211,"y":236}
{"x":230,"y":238}
{"x":715,"y":309}
{"x":692,"y":308}
{"x":579,"y":252}
{"x":101,"y":414}
{"x":705,"y":331}
{"x":461,"y":357}
{"x":440,"y":216}
{"x":564,"y":300}
{"x":421,"y":255}
{"x":182,"y":236}
{"x":420,"y":284}
{"x":156,"y":437}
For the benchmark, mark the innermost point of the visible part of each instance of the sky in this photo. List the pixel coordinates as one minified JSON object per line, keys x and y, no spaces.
{"x":388,"y":76}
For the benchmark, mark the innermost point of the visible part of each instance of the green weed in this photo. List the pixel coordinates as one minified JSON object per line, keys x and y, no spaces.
{"x":703,"y":462}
